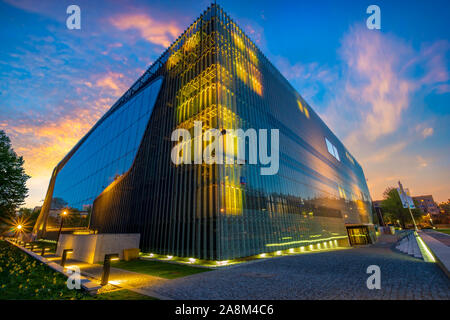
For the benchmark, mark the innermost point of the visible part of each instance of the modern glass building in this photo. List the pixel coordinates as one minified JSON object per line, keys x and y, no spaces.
{"x":122,"y":173}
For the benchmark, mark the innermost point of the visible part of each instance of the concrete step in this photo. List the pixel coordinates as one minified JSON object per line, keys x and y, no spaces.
{"x":401,"y":246}
{"x":410,"y":247}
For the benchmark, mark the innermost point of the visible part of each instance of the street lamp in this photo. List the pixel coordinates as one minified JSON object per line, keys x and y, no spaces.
{"x":63,"y":214}
{"x":18,"y":230}
{"x":107,"y":267}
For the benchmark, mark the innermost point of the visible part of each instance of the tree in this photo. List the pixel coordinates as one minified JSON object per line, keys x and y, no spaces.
{"x":393,"y":209}
{"x":13,"y":179}
{"x":445,"y":207}
{"x":29,"y":215}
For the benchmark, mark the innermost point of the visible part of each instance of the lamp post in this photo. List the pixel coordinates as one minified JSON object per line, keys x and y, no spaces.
{"x":107,"y":267}
{"x":63,"y":214}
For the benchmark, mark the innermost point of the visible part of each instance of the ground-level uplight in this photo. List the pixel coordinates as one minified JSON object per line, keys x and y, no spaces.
{"x":64,"y":256}
{"x":192,"y":260}
{"x":107,"y":267}
{"x":222,"y":263}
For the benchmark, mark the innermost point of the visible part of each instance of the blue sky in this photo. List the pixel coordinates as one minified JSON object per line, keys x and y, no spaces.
{"x":385,"y":93}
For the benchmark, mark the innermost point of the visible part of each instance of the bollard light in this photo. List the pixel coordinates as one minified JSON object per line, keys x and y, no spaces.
{"x":64,"y":256}
{"x":107,"y":267}
{"x":43,"y":250}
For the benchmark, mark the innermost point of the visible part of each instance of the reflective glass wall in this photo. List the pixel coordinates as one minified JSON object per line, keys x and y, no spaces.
{"x":315,"y":192}
{"x":107,"y":152}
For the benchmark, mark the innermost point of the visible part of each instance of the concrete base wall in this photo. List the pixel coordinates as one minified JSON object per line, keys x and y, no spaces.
{"x":92,"y":248}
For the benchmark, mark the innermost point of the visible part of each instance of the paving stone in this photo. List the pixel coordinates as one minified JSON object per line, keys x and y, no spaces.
{"x":323,"y":275}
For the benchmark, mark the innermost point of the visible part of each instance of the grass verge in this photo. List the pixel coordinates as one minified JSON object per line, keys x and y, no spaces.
{"x":447,"y":231}
{"x":24,"y":278}
{"x":158,"y":268}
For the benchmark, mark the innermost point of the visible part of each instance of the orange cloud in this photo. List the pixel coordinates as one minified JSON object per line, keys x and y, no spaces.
{"x":114,"y":82}
{"x":161,"y":33}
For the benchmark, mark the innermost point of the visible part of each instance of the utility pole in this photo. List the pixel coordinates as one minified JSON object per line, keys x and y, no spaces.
{"x":404,"y":198}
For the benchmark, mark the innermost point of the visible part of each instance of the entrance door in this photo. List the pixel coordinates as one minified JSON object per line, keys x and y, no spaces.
{"x":358,"y":235}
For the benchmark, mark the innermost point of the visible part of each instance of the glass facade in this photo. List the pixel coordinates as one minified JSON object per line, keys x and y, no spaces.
{"x":107,"y":152}
{"x":213,"y":73}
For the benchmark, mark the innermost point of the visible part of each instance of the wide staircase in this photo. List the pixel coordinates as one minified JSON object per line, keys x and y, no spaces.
{"x":408,"y":244}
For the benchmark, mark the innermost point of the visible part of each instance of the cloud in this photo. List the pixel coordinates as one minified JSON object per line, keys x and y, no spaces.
{"x":157,"y":32}
{"x":382,"y":93}
{"x":385,"y":153}
{"x":423,"y":163}
{"x":312,"y":79}
{"x":427,"y":132}
{"x":373,"y":99}
{"x":112,"y":81}
{"x":255,"y":32}
{"x":43,"y":143}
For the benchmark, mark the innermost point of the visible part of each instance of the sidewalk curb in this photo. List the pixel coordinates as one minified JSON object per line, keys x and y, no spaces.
{"x":440,"y":251}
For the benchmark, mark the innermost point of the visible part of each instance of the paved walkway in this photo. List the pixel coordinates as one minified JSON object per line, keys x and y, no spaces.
{"x":117,"y":277}
{"x":440,"y":236}
{"x":323,"y":275}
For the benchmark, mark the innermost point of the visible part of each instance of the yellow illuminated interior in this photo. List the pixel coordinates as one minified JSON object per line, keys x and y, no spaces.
{"x":303,"y":241}
{"x":303,"y":109}
{"x":300,"y":105}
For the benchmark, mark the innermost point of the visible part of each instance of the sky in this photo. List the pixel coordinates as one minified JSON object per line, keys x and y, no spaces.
{"x":385,"y":93}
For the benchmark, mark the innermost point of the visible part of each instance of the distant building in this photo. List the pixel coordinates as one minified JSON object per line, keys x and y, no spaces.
{"x":37,"y":208}
{"x":427,"y":205}
{"x":379,"y":212}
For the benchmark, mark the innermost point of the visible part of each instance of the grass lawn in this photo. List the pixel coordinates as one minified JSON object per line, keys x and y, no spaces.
{"x":24,"y":278}
{"x":447,"y":231}
{"x":158,"y":268}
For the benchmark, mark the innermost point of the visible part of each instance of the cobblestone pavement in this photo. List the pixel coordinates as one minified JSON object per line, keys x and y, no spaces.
{"x":440,"y":236}
{"x":337,"y":274}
